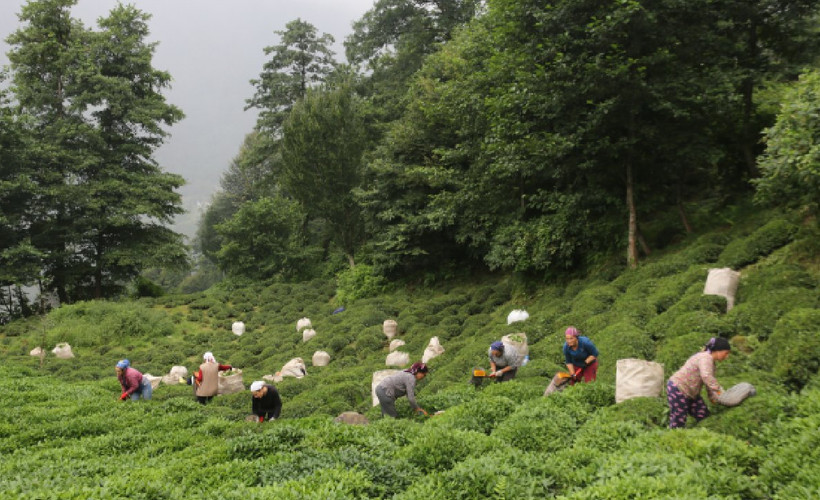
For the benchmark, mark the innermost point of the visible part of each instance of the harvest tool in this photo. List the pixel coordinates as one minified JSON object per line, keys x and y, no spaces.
{"x":478,"y":377}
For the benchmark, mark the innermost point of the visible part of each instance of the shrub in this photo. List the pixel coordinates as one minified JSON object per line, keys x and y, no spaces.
{"x":758,"y":317}
{"x":793,"y":350}
{"x":543,"y":425}
{"x":358,"y":282}
{"x":441,"y":448}
{"x":762,"y":242}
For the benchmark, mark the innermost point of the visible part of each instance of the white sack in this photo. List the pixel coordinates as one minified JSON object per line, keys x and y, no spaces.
{"x":238,"y":328}
{"x":153,"y":379}
{"x":63,"y":351}
{"x":517,"y":315}
{"x":432,"y":350}
{"x":176,"y":373}
{"x":303,"y":323}
{"x":737,"y":394}
{"x":308,"y":334}
{"x":351,"y":418}
{"x":37,"y":351}
{"x":229,"y":384}
{"x":273,"y":378}
{"x":397,"y":358}
{"x":320,"y":358}
{"x":635,"y":378}
{"x":395,"y":344}
{"x":294,"y":368}
{"x":519,"y":340}
{"x":722,"y":282}
{"x":377,"y":378}
{"x":390,"y":327}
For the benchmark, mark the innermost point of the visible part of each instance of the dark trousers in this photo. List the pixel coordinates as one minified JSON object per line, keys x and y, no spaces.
{"x":387,"y":403}
{"x":508,"y":375}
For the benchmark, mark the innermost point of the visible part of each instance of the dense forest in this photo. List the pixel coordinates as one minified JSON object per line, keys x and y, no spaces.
{"x":540,"y":139}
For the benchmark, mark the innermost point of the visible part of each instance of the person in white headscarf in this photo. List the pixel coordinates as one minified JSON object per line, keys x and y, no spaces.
{"x":206,"y":382}
{"x":265,"y":402}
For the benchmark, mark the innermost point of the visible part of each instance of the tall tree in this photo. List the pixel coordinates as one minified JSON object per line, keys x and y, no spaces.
{"x":323,"y":141}
{"x":303,"y":59}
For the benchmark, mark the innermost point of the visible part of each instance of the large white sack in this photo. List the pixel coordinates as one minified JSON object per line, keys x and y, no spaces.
{"x":230,"y":382}
{"x":63,"y":351}
{"x":37,"y":351}
{"x":390,"y":327}
{"x":308,"y":334}
{"x":397,"y":358}
{"x":303,"y":323}
{"x":238,"y":328}
{"x":722,"y":282}
{"x":273,"y":378}
{"x":737,"y":394}
{"x":636,"y":378}
{"x":153,"y":379}
{"x":517,"y":315}
{"x":432,"y":350}
{"x":320,"y":358}
{"x":395,"y":344}
{"x":377,"y":378}
{"x":176,"y":373}
{"x":294,"y":368}
{"x":519,"y":340}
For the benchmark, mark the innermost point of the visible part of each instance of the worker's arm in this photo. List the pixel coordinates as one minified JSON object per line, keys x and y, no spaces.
{"x":590,"y":359}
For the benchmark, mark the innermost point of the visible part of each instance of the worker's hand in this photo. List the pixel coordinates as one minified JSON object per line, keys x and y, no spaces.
{"x":123,"y":396}
{"x":499,"y":373}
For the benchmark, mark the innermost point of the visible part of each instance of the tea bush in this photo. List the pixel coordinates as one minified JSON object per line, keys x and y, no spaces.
{"x":762,"y":242}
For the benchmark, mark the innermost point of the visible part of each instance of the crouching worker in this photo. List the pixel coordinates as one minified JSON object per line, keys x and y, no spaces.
{"x":133,"y":383}
{"x":683,"y":388}
{"x":504,"y":361}
{"x":265,"y":403}
{"x":206,"y":378}
{"x":581,"y":356}
{"x":398,"y":385}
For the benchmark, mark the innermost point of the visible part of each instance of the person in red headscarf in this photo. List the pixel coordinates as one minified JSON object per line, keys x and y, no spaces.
{"x":398,"y":385}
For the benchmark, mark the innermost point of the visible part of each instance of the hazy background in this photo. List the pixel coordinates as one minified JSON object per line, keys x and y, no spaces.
{"x":212,"y":48}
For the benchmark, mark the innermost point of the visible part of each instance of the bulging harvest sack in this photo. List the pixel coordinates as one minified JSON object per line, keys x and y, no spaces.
{"x":636,"y":378}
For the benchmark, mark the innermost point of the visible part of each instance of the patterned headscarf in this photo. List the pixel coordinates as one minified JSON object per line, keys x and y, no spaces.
{"x":572,"y":331}
{"x":417,"y":368}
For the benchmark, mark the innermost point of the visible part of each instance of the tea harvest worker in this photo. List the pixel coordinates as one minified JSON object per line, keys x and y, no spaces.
{"x":504,"y":361}
{"x":133,"y":383}
{"x":265,"y":401}
{"x":398,"y":385}
{"x":206,"y":378}
{"x":683,"y":388}
{"x":580,"y":356}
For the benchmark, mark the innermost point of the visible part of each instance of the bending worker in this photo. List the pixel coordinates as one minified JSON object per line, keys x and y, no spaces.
{"x":265,"y":403}
{"x":580,"y":355}
{"x":683,"y":388}
{"x":398,"y":385}
{"x":504,"y":361}
{"x":206,"y":378}
{"x":133,"y":383}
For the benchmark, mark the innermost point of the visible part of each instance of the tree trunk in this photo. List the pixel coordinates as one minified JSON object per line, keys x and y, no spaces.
{"x":632,"y":252}
{"x":351,"y":261}
{"x":749,"y":137}
{"x":646,"y":250}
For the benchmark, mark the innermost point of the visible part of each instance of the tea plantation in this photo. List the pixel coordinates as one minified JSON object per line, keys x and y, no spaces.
{"x":64,"y":433}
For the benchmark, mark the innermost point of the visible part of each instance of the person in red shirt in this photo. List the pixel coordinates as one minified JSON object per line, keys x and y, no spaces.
{"x":133,"y":383}
{"x":206,"y":381}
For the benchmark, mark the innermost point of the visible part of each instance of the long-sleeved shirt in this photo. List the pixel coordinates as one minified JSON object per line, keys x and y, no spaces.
{"x":509,"y":357}
{"x":579,"y":356}
{"x":400,"y":384}
{"x":699,"y":370}
{"x":130,"y":380}
{"x":269,"y":405}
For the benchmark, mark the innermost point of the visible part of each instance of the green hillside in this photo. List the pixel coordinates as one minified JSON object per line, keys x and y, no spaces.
{"x":64,"y":434}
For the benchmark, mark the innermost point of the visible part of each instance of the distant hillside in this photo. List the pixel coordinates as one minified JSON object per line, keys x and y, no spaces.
{"x":502,"y":441}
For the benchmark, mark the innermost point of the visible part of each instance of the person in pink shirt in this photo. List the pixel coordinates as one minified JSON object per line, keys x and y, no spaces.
{"x":683,"y":388}
{"x":133,"y":383}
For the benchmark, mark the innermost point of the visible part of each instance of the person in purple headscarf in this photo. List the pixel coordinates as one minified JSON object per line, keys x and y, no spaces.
{"x":505,"y":360}
{"x":580,"y":356}
{"x":683,"y":388}
{"x":398,"y":385}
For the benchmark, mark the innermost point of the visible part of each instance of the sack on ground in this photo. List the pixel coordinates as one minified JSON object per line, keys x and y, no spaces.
{"x":230,"y":382}
{"x":397,"y":358}
{"x":390,"y":328}
{"x":433,"y":349}
{"x":294,"y":368}
{"x":722,"y":282}
{"x":637,"y":378}
{"x":737,"y":394}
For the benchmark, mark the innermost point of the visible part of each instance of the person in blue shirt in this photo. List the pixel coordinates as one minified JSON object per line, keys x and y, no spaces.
{"x":580,"y":355}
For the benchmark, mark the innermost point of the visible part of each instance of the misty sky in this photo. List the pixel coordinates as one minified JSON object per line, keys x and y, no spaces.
{"x":212,"y":48}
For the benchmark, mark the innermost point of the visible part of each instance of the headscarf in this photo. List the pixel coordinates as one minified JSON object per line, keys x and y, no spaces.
{"x":717,"y":344}
{"x":418,"y":367}
{"x":255,"y":386}
{"x":497,"y":346}
{"x":209,"y":357}
{"x":572,"y":331}
{"x":123,"y":364}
